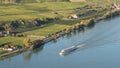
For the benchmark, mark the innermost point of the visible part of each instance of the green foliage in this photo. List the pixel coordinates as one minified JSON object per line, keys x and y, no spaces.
{"x":26,"y":42}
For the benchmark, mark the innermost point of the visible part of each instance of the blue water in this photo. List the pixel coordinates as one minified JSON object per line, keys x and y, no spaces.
{"x":101,"y":50}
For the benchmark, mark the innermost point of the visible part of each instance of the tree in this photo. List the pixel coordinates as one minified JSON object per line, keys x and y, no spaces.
{"x":18,"y":1}
{"x":7,"y":28}
{"x":26,"y":42}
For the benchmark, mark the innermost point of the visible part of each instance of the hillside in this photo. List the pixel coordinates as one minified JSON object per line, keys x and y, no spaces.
{"x":51,"y":15}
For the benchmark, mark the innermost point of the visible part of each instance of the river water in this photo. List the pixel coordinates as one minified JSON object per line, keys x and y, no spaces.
{"x":101,"y":49}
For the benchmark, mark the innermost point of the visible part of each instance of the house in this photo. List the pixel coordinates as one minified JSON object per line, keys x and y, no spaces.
{"x":115,"y":6}
{"x":1,"y":33}
{"x":73,"y":16}
{"x":77,"y":0}
{"x":4,"y":33}
{"x":9,"y":47}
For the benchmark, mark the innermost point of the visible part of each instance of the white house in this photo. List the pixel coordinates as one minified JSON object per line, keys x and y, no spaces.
{"x":72,"y":16}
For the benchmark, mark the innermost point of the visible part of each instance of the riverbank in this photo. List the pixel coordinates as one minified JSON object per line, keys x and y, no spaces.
{"x":102,"y":47}
{"x":84,"y":23}
{"x":76,"y":27}
{"x":66,"y":26}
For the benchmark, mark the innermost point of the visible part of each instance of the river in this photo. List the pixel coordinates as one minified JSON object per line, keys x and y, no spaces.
{"x":101,"y":47}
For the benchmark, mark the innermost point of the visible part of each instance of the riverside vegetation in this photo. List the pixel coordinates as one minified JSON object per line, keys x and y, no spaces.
{"x":46,"y":21}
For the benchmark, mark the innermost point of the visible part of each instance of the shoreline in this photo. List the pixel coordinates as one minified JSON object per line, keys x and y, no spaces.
{"x":87,"y":22}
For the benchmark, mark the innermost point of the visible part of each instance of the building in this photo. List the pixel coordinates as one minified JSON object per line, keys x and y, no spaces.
{"x":73,"y":16}
{"x":115,"y":6}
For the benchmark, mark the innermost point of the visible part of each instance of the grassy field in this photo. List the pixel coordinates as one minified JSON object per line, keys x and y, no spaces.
{"x":42,"y":10}
{"x":47,"y":30}
{"x":52,"y":27}
{"x":35,"y":10}
{"x":14,"y":40}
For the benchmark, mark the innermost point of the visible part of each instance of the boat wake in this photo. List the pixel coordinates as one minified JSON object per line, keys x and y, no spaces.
{"x":100,"y":37}
{"x":69,"y":50}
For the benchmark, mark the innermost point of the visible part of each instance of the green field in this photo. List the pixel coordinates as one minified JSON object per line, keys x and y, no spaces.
{"x":35,"y":10}
{"x":9,"y":12}
{"x":41,"y":10}
{"x":14,"y":40}
{"x":52,"y":27}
